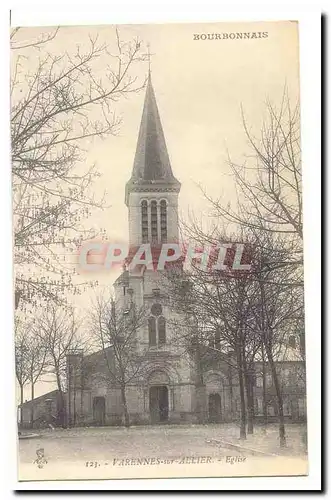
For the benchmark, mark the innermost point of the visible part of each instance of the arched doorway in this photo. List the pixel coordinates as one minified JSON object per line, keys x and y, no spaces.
{"x":214,"y":408}
{"x":158,"y":403}
{"x":158,"y":395}
{"x":99,"y":410}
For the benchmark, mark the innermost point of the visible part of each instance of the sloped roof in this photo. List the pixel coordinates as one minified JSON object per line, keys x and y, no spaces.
{"x":47,"y":395}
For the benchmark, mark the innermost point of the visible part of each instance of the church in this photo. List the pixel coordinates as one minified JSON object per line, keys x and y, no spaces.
{"x":166,"y":391}
{"x":170,"y":389}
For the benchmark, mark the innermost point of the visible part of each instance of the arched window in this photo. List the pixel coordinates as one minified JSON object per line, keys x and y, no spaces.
{"x":154,"y":232}
{"x":156,"y":326}
{"x":161,"y":327}
{"x":152,"y":331}
{"x":163,"y":212}
{"x":144,"y":221}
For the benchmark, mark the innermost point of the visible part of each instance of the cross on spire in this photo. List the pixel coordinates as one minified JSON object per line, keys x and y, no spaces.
{"x":149,"y":58}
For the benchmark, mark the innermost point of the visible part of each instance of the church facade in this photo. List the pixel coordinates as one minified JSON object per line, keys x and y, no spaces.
{"x":166,"y":391}
{"x":170,"y":387}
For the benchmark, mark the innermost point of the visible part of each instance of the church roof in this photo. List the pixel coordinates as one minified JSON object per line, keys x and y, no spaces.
{"x":151,"y":163}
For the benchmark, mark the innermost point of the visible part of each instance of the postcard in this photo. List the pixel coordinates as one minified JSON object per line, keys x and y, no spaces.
{"x":158,"y":251}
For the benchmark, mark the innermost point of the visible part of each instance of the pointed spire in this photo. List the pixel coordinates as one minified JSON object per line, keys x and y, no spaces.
{"x":151,"y":162}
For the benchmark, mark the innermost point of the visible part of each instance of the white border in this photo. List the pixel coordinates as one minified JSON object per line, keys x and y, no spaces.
{"x":179,"y":11}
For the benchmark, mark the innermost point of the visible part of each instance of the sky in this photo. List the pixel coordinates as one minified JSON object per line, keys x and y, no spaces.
{"x":200,"y":86}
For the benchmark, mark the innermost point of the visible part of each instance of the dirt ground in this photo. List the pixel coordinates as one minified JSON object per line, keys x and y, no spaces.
{"x":103,"y":443}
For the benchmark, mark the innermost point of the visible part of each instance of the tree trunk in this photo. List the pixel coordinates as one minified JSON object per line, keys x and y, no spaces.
{"x":242,"y":398}
{"x":249,"y":398}
{"x":200,"y":389}
{"x":74,"y":405}
{"x":264,"y":394}
{"x":22,"y":401}
{"x":250,"y":407}
{"x":242,"y":407}
{"x":230,"y":390}
{"x":69,"y":395}
{"x":61,"y":411}
{"x":125,"y":407}
{"x":32,"y":404}
{"x":282,"y":438}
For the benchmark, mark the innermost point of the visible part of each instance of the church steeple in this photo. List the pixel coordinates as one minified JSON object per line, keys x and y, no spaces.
{"x":151,"y":163}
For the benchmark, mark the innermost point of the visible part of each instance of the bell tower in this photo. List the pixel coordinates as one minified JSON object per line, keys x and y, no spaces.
{"x":151,"y":194}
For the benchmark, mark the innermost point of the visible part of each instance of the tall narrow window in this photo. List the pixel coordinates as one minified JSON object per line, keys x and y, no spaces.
{"x":217,"y":338}
{"x":154,"y":221}
{"x":152,"y":331}
{"x":161,"y":324}
{"x":157,"y":326}
{"x":144,"y":222}
{"x":164,"y":234}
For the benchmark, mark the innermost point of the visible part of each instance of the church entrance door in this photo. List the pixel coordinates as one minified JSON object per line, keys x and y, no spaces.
{"x":214,"y":408}
{"x":99,"y":410}
{"x":158,"y":403}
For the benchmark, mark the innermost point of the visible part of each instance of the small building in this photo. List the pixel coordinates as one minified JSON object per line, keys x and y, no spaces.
{"x":41,"y":412}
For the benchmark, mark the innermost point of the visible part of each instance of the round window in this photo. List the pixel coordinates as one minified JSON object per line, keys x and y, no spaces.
{"x":156,"y":309}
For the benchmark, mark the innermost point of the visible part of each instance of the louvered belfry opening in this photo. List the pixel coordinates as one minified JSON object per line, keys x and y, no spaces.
{"x":144,"y":221}
{"x":163,"y":221}
{"x":154,"y":228}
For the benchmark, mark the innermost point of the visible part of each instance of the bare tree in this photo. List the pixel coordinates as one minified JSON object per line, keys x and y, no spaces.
{"x":269,"y":184}
{"x":30,"y":357}
{"x":217,"y":303}
{"x":251,"y":312}
{"x":189,"y":337}
{"x":21,"y":361}
{"x":35,"y":43}
{"x":57,"y":331}
{"x":60,"y":103}
{"x":36,"y":364}
{"x":115,"y":329}
{"x":277,"y":305}
{"x":227,"y":303}
{"x":268,"y":211}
